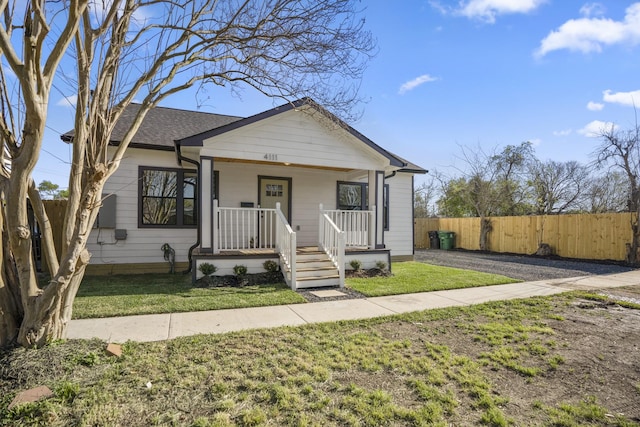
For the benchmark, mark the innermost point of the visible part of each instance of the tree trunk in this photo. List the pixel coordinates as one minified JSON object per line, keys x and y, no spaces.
{"x":485,"y":228}
{"x":10,"y":307}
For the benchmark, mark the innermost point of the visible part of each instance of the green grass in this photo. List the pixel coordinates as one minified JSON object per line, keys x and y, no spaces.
{"x":124,"y":295}
{"x":106,"y":296}
{"x":410,"y":277}
{"x":385,"y":371}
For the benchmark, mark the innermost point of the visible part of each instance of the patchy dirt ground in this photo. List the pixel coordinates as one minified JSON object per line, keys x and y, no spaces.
{"x":599,"y":346}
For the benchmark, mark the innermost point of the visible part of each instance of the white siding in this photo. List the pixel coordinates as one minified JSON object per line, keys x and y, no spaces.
{"x":296,"y":138}
{"x":142,"y":244}
{"x":399,"y":238}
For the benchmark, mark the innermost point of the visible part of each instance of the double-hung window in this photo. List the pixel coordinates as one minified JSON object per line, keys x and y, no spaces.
{"x":167,"y":197}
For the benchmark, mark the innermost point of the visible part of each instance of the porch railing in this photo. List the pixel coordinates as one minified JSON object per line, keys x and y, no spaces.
{"x":332,"y":241}
{"x":286,"y":245}
{"x":358,"y":226}
{"x":244,"y":228}
{"x":256,"y":228}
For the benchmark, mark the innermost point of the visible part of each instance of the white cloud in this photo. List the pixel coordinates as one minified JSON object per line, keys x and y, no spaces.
{"x":631,"y":99}
{"x":594,"y":106}
{"x":412,"y":84}
{"x":592,"y":9}
{"x":564,"y":132}
{"x":68,"y":101}
{"x":487,"y":10}
{"x":590,"y":34}
{"x":596,"y":128}
{"x":535,"y":141}
{"x":439,"y":7}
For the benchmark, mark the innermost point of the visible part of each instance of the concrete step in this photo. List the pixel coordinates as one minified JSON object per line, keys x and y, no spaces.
{"x":317,"y":282}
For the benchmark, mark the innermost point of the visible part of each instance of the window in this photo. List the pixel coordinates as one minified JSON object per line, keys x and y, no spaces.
{"x":353,"y":196}
{"x":274,"y":190}
{"x":168,"y":197}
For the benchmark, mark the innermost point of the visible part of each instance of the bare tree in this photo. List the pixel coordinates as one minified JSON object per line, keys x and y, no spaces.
{"x":124,"y":49}
{"x":423,"y":198}
{"x":557,"y":186}
{"x":608,"y":192}
{"x":620,"y":151}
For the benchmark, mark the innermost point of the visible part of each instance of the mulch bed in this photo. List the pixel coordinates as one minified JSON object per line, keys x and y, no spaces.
{"x":276,"y":277}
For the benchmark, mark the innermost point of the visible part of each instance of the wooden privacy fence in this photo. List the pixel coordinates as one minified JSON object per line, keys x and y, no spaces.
{"x":586,"y":236}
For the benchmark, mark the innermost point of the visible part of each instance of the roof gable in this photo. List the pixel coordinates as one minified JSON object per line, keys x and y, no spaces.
{"x":197,"y":140}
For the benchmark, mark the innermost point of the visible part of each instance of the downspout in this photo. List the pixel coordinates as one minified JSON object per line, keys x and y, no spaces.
{"x":198,"y":201}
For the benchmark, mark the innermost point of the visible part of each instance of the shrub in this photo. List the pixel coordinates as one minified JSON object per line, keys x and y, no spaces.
{"x":240,"y":270}
{"x":381,"y":265}
{"x":207,"y":269}
{"x":271,"y":266}
{"x":355,"y":264}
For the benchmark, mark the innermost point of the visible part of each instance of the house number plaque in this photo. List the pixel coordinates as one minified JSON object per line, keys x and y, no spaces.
{"x":271,"y":156}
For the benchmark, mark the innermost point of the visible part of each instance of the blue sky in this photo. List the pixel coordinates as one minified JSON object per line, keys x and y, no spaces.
{"x":472,"y":73}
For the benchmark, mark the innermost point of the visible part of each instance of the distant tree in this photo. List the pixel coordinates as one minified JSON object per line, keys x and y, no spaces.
{"x":511,"y":166}
{"x":557,"y":187}
{"x":49,"y":190}
{"x":619,"y":150}
{"x":424,"y":198}
{"x":455,"y":201}
{"x":491,"y":184}
{"x":608,"y":192}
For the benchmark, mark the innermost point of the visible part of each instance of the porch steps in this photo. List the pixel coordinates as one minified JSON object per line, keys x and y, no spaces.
{"x":314,"y":269}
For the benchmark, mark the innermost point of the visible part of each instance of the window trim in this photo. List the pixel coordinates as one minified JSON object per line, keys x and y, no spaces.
{"x":179,"y":198}
{"x":386,"y":203}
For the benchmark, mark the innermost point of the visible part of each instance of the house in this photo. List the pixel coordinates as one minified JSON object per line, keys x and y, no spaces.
{"x":293,"y":184}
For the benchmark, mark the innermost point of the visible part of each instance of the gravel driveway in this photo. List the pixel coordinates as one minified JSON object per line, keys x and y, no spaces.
{"x":521,"y":267}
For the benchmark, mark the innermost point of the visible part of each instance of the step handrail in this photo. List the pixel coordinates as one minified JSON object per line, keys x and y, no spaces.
{"x":286,"y":245}
{"x":332,"y":241}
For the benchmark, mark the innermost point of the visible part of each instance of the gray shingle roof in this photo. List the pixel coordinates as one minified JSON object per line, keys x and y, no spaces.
{"x":163,"y":125}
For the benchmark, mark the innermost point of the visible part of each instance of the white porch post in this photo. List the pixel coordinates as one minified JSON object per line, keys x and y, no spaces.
{"x":206,"y":205}
{"x":376,"y":193}
{"x":214,"y":224}
{"x":320,"y":226}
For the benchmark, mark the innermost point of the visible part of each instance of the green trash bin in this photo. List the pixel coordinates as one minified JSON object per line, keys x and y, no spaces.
{"x":447,"y":239}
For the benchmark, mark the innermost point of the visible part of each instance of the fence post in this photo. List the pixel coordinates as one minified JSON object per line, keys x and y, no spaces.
{"x":292,"y":255}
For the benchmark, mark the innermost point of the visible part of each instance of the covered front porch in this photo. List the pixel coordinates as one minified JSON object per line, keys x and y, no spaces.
{"x":249,"y":236}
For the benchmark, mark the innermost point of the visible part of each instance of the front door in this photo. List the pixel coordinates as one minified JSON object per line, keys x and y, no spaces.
{"x":273,"y":190}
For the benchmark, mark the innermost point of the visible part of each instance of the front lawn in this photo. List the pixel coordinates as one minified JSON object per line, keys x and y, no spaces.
{"x":125,"y":295}
{"x":120,"y":295}
{"x":411,"y":277}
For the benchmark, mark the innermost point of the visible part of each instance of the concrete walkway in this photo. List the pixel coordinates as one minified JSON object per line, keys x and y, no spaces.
{"x":158,"y":327}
